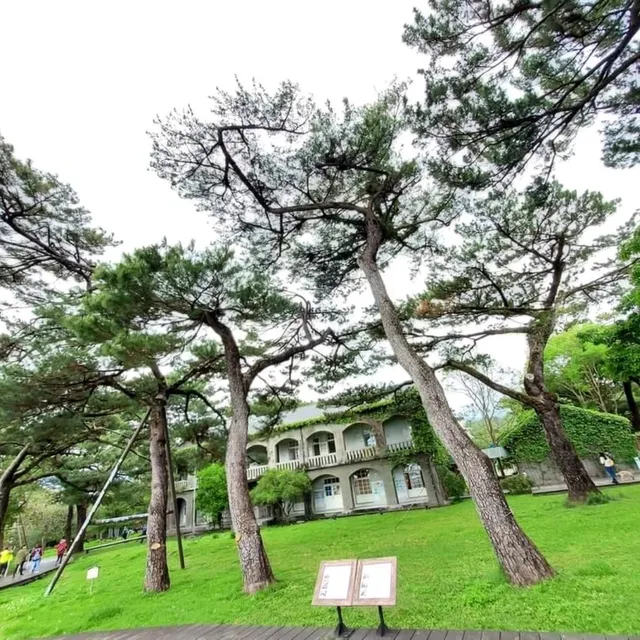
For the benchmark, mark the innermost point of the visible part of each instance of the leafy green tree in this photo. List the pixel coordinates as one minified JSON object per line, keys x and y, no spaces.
{"x":43,"y":228}
{"x":281,"y":488}
{"x":519,"y":269}
{"x":212,"y":497}
{"x":510,"y":81}
{"x":577,"y":369}
{"x":333,"y":194}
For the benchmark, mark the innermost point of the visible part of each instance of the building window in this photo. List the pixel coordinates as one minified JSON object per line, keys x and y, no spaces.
{"x":331,"y":487}
{"x":413,"y":477}
{"x":369,"y":438}
{"x":294,"y":450}
{"x":362,"y":483}
{"x":321,"y":447}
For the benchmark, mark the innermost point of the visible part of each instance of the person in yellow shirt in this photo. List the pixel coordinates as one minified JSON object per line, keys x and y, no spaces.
{"x":6,"y":556}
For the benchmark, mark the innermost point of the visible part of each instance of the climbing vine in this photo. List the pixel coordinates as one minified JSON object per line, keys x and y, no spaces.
{"x":590,"y":431}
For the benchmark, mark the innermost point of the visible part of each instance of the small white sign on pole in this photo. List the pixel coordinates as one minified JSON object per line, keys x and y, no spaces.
{"x":92,"y":574}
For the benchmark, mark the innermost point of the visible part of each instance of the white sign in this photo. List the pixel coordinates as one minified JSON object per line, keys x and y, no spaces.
{"x":375,"y":582}
{"x":92,"y":573}
{"x":335,"y":582}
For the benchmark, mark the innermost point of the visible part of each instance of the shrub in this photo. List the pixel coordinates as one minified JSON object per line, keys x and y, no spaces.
{"x":453,"y":484}
{"x":517,"y":485}
{"x":589,"y":431}
{"x":281,"y":488}
{"x":211,"y":497}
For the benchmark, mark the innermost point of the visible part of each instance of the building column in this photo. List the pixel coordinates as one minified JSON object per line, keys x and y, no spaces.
{"x":345,"y":487}
{"x":385,"y":471}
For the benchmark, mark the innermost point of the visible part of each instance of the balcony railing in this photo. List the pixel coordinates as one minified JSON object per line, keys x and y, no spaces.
{"x":184,"y":485}
{"x":253,"y":473}
{"x":326,"y":460}
{"x":368,"y":453}
{"x":400,"y":446}
{"x":291,"y":465}
{"x":331,"y":459}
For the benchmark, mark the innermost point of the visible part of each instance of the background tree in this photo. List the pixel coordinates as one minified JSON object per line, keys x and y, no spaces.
{"x":576,"y":370}
{"x":212,"y":497}
{"x":509,"y":81}
{"x":281,"y":488}
{"x":518,"y":270}
{"x":333,"y":192}
{"x":182,"y":292}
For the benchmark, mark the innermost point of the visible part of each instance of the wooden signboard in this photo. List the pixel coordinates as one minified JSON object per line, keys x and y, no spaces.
{"x":376,"y":582}
{"x":335,"y":583}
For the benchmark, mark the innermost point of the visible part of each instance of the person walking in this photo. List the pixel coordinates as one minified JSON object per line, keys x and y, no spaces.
{"x":61,"y":547}
{"x":609,"y":466}
{"x":6,"y":556}
{"x":20,"y":559}
{"x":36,"y":558}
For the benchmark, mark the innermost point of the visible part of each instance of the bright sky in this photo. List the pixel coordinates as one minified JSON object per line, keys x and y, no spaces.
{"x":82,"y":82}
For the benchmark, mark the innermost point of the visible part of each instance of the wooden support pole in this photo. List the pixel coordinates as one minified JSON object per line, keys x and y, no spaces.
{"x":174,"y":499}
{"x":96,"y":504}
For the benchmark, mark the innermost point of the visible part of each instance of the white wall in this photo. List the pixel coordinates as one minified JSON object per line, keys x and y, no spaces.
{"x":353,"y":438}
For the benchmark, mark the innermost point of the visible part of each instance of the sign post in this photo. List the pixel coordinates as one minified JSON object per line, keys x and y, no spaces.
{"x":376,"y":586}
{"x":334,"y":588}
{"x":92,"y":575}
{"x":346,"y":583}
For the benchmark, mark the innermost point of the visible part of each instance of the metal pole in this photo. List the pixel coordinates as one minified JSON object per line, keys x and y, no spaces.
{"x":172,"y":488}
{"x":96,"y":504}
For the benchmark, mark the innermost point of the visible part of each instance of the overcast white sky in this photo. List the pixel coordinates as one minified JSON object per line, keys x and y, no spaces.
{"x":82,"y":82}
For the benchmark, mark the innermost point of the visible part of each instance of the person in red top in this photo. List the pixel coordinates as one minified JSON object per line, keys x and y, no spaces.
{"x":61,"y":548}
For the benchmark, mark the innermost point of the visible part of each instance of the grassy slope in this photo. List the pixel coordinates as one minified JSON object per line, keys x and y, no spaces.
{"x":448,"y":577}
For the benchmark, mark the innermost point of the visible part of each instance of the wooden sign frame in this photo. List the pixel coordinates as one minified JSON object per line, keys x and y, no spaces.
{"x":376,"y":602}
{"x":324,"y":602}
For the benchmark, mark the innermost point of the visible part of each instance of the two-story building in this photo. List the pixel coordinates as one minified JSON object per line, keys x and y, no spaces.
{"x":351,"y":465}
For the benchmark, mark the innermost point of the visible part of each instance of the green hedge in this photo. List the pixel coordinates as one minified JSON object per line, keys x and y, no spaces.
{"x":590,"y":432}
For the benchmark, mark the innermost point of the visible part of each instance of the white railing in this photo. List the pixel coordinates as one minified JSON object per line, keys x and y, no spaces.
{"x":185,"y":485}
{"x":356,"y":455}
{"x":292,"y":465}
{"x":255,"y":472}
{"x":326,"y":460}
{"x":400,"y":446}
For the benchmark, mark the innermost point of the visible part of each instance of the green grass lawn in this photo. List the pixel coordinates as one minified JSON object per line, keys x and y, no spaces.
{"x":447,"y":576}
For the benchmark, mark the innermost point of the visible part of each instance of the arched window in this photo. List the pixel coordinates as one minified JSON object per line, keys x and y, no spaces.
{"x":362,"y":482}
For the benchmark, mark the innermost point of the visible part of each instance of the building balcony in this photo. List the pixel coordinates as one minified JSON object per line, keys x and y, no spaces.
{"x":367,"y":453}
{"x":253,"y":473}
{"x":400,"y":446}
{"x":290,"y":465}
{"x":326,"y":460}
{"x":186,"y":485}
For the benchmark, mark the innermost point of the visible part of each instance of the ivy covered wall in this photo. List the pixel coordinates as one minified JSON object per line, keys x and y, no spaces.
{"x":590,"y":431}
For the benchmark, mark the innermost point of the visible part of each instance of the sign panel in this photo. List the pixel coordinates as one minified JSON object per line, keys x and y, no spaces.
{"x":376,"y":582}
{"x":335,"y":583}
{"x":92,"y":573}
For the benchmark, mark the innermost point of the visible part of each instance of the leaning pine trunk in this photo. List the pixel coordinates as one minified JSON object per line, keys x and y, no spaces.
{"x":564,"y":454}
{"x":7,"y":480}
{"x":520,"y":559}
{"x":157,"y":575}
{"x":256,"y":570}
{"x":81,"y":516}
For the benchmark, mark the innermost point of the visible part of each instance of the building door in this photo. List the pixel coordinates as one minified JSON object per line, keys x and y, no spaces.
{"x":327,"y":495}
{"x":409,"y":483}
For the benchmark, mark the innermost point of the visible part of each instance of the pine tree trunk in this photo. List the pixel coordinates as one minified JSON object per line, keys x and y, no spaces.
{"x":632,"y":404}
{"x":68,"y":531}
{"x":157,"y":574}
{"x":256,"y":570}
{"x":520,"y":559}
{"x":7,"y":480}
{"x":81,"y":516}
{"x":564,"y":454}
{"x":5,"y":494}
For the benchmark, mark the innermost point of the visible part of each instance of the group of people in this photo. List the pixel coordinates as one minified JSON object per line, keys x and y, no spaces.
{"x":19,"y":560}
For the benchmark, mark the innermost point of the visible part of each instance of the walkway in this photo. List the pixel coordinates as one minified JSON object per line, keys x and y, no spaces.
{"x":231,"y":632}
{"x":46,"y":566}
{"x":599,"y":482}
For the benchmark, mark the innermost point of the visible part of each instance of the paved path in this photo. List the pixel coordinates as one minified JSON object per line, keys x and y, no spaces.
{"x":599,"y":482}
{"x":231,"y":632}
{"x":46,"y":566}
